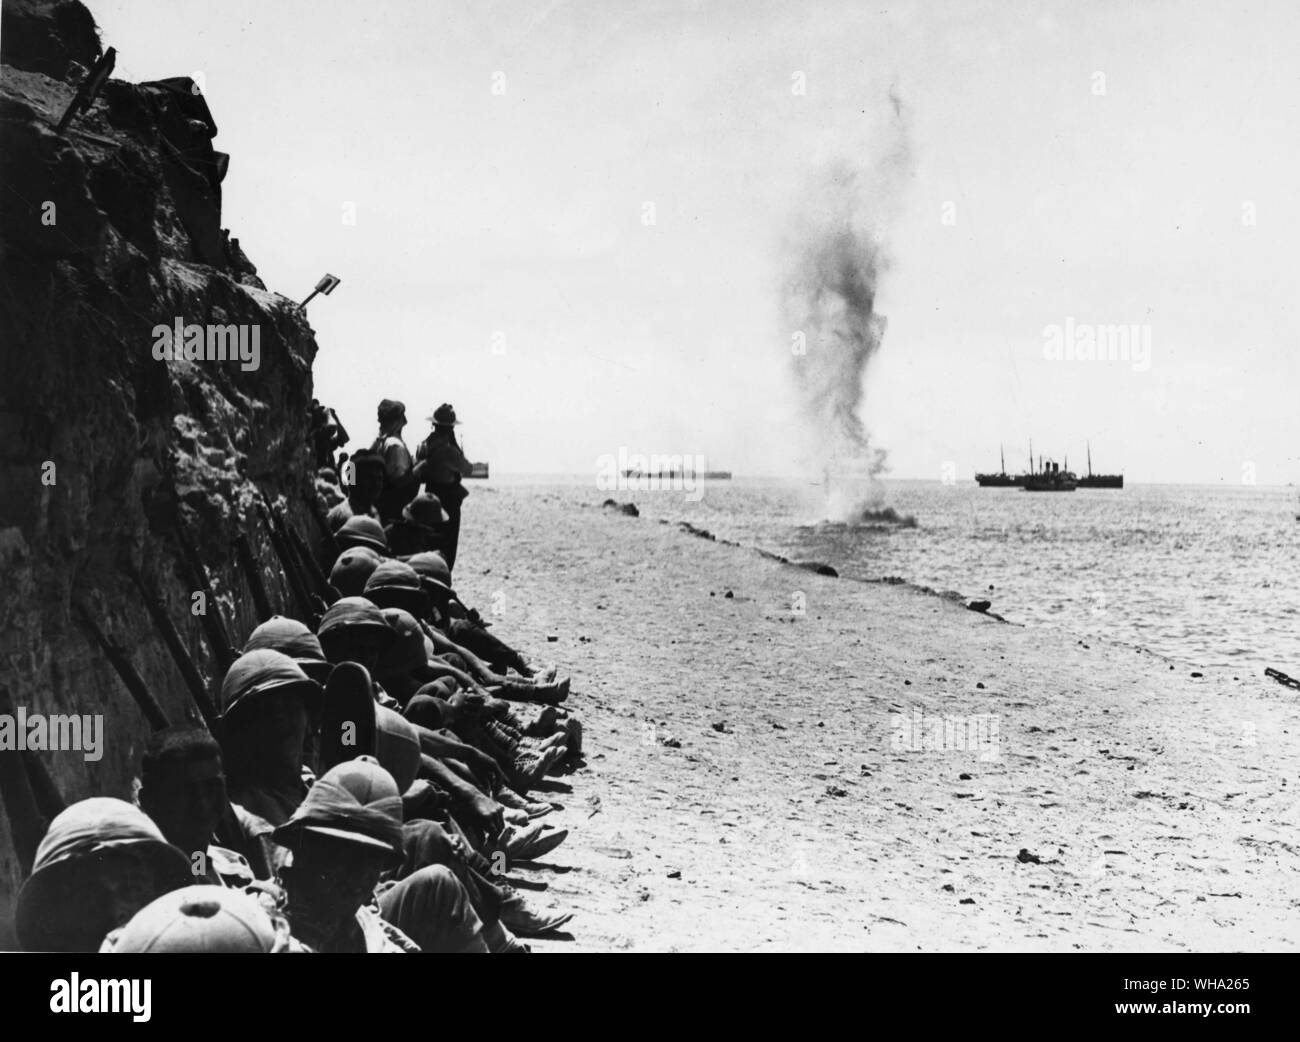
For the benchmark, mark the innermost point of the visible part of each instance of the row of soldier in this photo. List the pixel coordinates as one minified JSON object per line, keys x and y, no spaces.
{"x":372,"y":779}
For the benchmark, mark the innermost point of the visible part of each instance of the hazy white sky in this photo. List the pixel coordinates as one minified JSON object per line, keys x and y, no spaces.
{"x":1119,"y":199}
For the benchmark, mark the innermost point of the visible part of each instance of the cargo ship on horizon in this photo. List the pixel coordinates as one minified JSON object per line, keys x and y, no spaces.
{"x":1001,"y":479}
{"x":1091,"y":480}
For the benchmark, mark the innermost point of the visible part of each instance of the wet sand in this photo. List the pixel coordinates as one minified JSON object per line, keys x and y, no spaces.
{"x":750,"y":785}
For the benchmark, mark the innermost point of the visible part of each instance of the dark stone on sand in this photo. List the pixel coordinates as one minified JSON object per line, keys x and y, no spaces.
{"x":728,"y":595}
{"x":675,"y":874}
{"x":628,"y":509}
{"x":979,"y":684}
{"x":551,"y":638}
{"x":835,"y":790}
{"x":1198,"y":674}
{"x":980,"y":606}
{"x":1026,"y":858}
{"x":963,"y":777}
{"x":720,"y":726}
{"x":967,"y":901}
{"x":820,"y":567}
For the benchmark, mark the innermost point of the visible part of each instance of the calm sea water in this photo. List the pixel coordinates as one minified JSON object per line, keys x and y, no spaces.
{"x":1209,"y":575}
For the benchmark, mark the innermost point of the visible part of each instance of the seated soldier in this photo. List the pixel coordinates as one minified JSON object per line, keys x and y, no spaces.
{"x":266,"y":702}
{"x":419,"y":528}
{"x":343,"y":838}
{"x":354,"y":631}
{"x":395,"y":584}
{"x":361,"y":531}
{"x":183,"y":789}
{"x":352,"y":569}
{"x":367,"y":472}
{"x":101,"y":861}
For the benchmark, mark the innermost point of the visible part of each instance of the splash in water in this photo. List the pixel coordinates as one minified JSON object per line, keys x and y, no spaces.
{"x":830,"y":299}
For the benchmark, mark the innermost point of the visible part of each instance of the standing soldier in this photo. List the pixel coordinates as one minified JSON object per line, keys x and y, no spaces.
{"x":401,"y":476}
{"x":445,"y":465}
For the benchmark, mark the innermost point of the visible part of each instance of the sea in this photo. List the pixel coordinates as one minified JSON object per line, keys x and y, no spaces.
{"x":1208,"y":575}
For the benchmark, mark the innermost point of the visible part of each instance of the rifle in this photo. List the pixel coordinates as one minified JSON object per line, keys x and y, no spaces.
{"x":213,"y":623}
{"x":81,"y":101}
{"x":134,"y":683}
{"x":188,"y":670}
{"x":312,"y":606}
{"x":248,"y":564}
{"x":311,"y":567}
{"x":327,"y":537}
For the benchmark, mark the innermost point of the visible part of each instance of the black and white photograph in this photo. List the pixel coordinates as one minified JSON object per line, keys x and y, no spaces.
{"x":681,"y":476}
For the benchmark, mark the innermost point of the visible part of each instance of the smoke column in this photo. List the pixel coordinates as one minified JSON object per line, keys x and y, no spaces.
{"x":836,"y":258}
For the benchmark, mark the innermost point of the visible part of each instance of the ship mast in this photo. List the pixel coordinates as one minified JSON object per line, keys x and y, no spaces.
{"x":1089,"y":459}
{"x":1003,"y":458}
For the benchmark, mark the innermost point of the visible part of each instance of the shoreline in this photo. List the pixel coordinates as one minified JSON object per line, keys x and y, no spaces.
{"x":746,"y":787}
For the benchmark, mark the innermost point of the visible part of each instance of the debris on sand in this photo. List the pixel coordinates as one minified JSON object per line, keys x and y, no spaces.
{"x":820,"y":567}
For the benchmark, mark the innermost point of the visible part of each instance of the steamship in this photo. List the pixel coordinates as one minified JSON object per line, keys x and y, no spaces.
{"x":1001,"y":479}
{"x":1091,"y":480}
{"x":1050,"y":477}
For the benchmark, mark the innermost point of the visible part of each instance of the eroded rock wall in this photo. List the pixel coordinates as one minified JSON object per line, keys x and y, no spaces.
{"x":107,"y":231}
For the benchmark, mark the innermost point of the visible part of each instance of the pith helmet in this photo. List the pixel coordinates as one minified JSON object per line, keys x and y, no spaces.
{"x":362,"y":531}
{"x":201,"y":919}
{"x":74,"y":848}
{"x":352,"y":569}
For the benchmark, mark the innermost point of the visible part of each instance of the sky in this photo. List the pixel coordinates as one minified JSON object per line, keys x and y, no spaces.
{"x":574,"y":221}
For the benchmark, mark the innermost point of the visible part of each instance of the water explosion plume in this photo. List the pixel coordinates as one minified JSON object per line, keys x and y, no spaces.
{"x":837,"y":258}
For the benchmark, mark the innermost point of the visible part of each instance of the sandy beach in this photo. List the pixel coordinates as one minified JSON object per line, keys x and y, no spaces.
{"x":752,"y":782}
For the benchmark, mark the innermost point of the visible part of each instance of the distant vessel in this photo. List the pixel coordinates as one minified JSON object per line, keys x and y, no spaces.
{"x":1001,"y":479}
{"x":670,"y":475}
{"x":1092,"y":480}
{"x":1050,"y":477}
{"x":477,"y":470}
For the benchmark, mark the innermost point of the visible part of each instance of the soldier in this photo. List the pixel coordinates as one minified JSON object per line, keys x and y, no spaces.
{"x":345,"y":836}
{"x":183,"y":789}
{"x":445,"y":467}
{"x":101,"y":861}
{"x":266,"y":702}
{"x":367,"y":485}
{"x":420,"y":527}
{"x":402,"y":475}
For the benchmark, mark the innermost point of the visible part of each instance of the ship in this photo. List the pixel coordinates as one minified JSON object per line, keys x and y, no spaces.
{"x":1091,"y":480}
{"x":477,"y":470}
{"x":675,"y":475}
{"x":1051,"y":477}
{"x":1001,"y":479}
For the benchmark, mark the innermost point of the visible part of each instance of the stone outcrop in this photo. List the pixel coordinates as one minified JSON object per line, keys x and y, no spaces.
{"x":108,"y":231}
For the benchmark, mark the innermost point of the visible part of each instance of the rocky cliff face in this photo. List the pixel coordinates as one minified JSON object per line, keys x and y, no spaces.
{"x":108,"y":231}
